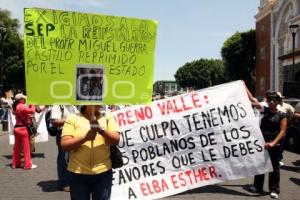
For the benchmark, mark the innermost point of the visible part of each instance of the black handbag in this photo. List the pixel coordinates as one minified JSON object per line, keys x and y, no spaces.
{"x":116,"y":157}
{"x":32,"y":127}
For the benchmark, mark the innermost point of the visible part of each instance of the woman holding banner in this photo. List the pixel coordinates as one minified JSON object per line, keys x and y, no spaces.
{"x":273,"y":127}
{"x":88,"y":137}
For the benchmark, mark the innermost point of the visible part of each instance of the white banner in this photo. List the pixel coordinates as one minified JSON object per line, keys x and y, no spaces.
{"x":188,"y":141}
{"x":42,"y":135}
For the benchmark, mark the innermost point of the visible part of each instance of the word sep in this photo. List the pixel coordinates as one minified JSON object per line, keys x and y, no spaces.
{"x":41,"y":29}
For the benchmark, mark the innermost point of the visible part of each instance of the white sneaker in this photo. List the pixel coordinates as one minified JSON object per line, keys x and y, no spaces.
{"x":281,"y":163}
{"x":33,"y":166}
{"x":274,"y":195}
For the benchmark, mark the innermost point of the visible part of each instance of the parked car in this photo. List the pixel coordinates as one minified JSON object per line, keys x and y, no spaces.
{"x":292,"y":142}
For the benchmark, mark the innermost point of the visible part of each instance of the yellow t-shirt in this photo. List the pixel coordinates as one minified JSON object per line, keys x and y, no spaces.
{"x":91,"y":157}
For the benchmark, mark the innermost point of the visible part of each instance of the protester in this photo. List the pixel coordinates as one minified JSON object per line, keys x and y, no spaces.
{"x":6,"y":104}
{"x":297,"y":119}
{"x":273,"y":127}
{"x":22,"y":137}
{"x":88,"y":136}
{"x":59,"y":114}
{"x":289,"y":111}
{"x":113,"y":108}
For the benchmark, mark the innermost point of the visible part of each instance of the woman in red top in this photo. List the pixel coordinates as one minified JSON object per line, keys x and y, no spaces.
{"x":22,"y":138}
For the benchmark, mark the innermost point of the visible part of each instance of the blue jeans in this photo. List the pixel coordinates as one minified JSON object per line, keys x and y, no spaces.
{"x":3,"y":114}
{"x":83,"y":186}
{"x":62,"y":163}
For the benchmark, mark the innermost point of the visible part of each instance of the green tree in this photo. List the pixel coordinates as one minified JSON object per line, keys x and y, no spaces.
{"x":201,"y":73}
{"x":12,"y":54}
{"x":238,"y":53}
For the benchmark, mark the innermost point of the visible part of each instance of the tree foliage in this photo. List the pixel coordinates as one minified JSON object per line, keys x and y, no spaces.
{"x":12,"y":53}
{"x":238,"y":53}
{"x":201,"y":73}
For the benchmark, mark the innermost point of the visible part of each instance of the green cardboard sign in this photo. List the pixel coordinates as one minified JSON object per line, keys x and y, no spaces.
{"x":81,"y":58}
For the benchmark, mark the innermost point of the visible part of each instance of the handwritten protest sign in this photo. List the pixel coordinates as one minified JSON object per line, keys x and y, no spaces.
{"x":81,"y":58}
{"x":188,"y":141}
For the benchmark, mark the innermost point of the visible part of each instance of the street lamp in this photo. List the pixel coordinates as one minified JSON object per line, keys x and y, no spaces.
{"x":294,"y":28}
{"x":2,"y":34}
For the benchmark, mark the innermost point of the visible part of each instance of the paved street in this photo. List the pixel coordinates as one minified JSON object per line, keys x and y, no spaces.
{"x":41,"y":184}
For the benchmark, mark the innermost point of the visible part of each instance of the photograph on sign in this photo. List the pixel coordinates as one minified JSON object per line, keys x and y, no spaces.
{"x":89,"y":82}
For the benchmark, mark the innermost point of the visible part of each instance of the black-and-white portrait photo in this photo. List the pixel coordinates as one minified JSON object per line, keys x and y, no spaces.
{"x":89,"y":84}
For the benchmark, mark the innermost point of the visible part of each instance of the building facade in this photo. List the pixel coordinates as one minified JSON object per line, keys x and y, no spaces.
{"x":277,"y":65}
{"x":166,"y":88}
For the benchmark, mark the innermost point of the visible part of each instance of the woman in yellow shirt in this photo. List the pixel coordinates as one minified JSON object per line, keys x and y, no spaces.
{"x":88,"y":136}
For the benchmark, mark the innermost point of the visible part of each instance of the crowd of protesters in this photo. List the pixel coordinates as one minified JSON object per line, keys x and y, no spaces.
{"x":79,"y":130}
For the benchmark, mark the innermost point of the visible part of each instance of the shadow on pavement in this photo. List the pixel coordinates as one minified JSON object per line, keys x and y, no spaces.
{"x":296,"y":163}
{"x":33,"y":155}
{"x":295,"y":180}
{"x":290,"y":168}
{"x":38,"y":155}
{"x":49,"y":186}
{"x":224,"y":190}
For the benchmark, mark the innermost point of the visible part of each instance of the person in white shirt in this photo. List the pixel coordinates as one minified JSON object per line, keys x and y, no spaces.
{"x":59,"y":114}
{"x":289,"y":111}
{"x":6,"y":104}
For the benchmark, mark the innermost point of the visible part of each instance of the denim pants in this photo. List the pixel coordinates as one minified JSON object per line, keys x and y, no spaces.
{"x":62,"y":163}
{"x":83,"y":186}
{"x":3,"y":114}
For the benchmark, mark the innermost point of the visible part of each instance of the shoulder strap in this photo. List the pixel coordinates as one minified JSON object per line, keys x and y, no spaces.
{"x":62,"y":109}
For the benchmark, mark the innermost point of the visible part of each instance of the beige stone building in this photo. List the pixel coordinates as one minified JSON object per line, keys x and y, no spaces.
{"x":275,"y":54}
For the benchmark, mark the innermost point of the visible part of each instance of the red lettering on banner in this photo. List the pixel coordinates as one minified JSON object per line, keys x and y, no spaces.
{"x":170,"y":106}
{"x":176,"y":109}
{"x":162,"y":108}
{"x":184,"y":106}
{"x":196,"y":100}
{"x":212,"y":171}
{"x":128,"y":116}
{"x":166,"y":107}
{"x":154,"y":187}
{"x":174,"y":181}
{"x":132,"y":116}
{"x":194,"y":176}
{"x":182,"y":180}
{"x":120,"y":119}
{"x":177,"y":105}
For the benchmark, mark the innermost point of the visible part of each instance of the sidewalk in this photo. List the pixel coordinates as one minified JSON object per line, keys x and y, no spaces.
{"x":41,"y":183}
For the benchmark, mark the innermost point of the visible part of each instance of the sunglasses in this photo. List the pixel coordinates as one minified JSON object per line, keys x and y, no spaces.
{"x":272,"y":99}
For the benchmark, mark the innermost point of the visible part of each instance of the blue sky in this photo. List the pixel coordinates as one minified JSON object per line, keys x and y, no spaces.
{"x":187,"y":30}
